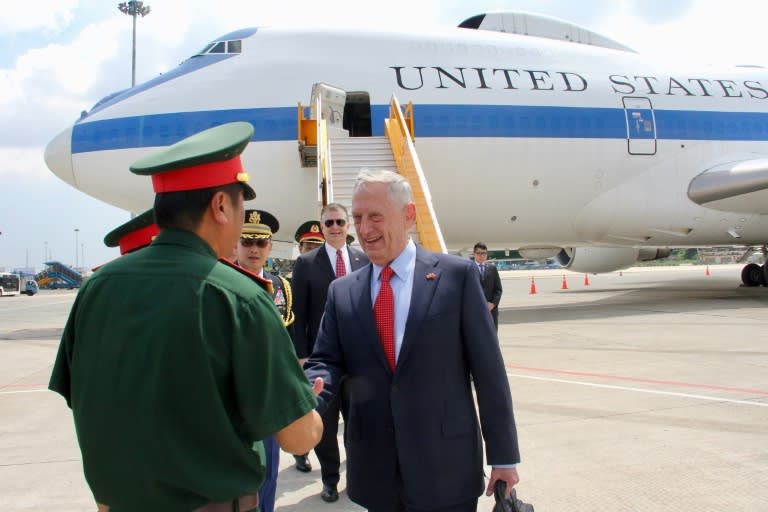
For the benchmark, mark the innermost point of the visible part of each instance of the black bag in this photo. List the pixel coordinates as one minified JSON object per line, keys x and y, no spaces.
{"x":510,"y":503}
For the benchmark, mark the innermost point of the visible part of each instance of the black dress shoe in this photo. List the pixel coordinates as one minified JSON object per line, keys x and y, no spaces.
{"x":329,"y":494}
{"x":302,"y":463}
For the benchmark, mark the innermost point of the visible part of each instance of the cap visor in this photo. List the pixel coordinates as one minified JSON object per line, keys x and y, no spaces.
{"x":248,"y":192}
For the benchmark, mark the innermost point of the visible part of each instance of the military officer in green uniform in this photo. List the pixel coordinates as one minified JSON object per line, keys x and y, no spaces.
{"x":175,"y":364}
{"x":132,"y":235}
{"x":309,"y":236}
{"x":253,"y":249}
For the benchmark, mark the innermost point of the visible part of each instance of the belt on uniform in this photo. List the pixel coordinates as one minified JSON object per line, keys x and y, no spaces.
{"x":249,"y":502}
{"x":243,"y":504}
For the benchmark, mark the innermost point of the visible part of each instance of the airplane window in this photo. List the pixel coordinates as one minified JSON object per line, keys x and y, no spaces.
{"x":234,"y":46}
{"x":220,"y":47}
{"x":205,"y":49}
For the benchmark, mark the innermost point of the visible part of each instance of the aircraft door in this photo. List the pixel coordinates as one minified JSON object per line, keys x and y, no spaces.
{"x":641,"y":126}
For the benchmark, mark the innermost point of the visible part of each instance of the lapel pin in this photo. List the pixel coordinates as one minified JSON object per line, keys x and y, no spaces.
{"x":431,"y":276}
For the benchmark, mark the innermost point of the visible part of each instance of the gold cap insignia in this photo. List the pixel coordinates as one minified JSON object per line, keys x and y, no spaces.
{"x":314,"y":229}
{"x":254,"y":218}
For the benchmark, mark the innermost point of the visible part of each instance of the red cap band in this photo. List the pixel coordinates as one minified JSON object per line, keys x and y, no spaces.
{"x":138,"y":238}
{"x":314,"y":236}
{"x":202,"y":176}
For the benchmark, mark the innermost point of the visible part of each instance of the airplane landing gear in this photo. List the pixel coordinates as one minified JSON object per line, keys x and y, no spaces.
{"x":754,"y":275}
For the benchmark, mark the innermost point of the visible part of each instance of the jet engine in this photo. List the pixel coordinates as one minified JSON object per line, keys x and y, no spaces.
{"x":596,"y":260}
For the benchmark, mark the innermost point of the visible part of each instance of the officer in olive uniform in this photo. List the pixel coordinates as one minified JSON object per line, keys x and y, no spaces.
{"x":134,"y":234}
{"x":164,"y":356}
{"x":309,"y":236}
{"x":252,"y":251}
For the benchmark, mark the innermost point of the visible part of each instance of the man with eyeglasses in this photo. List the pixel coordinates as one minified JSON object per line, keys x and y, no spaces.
{"x":312,"y":274}
{"x":252,"y":251}
{"x":489,"y":280}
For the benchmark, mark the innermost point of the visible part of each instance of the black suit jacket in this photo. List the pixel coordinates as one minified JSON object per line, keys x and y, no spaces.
{"x":491,"y":284}
{"x":420,"y":420}
{"x":312,"y":273}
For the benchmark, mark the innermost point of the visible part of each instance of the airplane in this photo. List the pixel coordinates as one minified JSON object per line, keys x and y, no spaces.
{"x":531,"y":133}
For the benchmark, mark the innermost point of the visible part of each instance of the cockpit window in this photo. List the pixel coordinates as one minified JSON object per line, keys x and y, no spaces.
{"x":219,"y":47}
{"x":234,"y":46}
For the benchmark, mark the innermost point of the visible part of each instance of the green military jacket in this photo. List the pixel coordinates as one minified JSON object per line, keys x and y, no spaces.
{"x":174,"y":364}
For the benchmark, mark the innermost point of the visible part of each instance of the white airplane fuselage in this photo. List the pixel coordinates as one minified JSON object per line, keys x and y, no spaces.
{"x":524,"y":141}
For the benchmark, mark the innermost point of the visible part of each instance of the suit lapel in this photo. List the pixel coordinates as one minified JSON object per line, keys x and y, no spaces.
{"x":324,"y":263}
{"x":426,"y":278}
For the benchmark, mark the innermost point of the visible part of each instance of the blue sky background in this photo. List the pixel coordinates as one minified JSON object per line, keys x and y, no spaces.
{"x":58,"y":57}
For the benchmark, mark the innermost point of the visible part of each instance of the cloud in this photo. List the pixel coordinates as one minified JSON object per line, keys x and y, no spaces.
{"x":44,"y":15}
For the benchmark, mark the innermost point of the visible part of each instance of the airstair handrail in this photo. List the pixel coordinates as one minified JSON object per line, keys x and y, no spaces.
{"x":408,"y":164}
{"x":324,"y":180}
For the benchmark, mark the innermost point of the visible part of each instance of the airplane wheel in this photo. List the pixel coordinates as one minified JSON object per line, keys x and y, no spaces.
{"x":752,"y":275}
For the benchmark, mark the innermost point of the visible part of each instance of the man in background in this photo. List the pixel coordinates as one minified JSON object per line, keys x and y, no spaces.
{"x":490,"y":281}
{"x":253,"y":249}
{"x":312,"y":274}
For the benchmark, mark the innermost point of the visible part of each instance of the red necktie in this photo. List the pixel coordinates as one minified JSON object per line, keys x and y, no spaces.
{"x":341,"y":270}
{"x":384,"y":311}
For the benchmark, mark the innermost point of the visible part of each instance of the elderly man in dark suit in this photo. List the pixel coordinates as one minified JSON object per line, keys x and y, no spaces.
{"x":489,"y":280}
{"x":312,"y":273}
{"x":407,"y":332}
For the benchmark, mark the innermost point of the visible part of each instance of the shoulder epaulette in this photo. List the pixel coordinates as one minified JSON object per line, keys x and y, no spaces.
{"x":264,"y":283}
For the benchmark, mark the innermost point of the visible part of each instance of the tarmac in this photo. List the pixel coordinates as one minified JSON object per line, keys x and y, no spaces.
{"x":645,"y":390}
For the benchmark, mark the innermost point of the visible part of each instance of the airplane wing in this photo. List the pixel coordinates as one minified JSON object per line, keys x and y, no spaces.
{"x":740,"y":186}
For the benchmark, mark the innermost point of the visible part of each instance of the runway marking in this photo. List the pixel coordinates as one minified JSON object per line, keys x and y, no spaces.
{"x":23,"y":391}
{"x":760,"y":392}
{"x":640,"y":390}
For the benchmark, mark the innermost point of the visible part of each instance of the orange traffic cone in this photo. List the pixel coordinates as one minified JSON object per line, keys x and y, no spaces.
{"x":586,"y":279}
{"x":565,"y":284}
{"x":706,"y":272}
{"x":533,"y":286}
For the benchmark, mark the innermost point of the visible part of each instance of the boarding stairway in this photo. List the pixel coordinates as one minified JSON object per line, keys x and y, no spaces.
{"x":58,"y":275}
{"x":338,"y":158}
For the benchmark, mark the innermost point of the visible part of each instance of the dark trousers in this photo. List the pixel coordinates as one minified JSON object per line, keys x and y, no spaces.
{"x":401,"y":506}
{"x":470,"y":506}
{"x":495,"y":316}
{"x":327,"y":450}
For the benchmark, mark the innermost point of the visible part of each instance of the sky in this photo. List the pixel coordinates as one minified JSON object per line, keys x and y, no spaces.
{"x":58,"y":57}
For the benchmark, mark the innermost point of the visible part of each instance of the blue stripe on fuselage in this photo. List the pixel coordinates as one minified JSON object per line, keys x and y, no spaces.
{"x":280,"y":124}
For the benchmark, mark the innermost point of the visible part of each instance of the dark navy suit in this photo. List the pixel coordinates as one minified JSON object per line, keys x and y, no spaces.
{"x":413,"y":437}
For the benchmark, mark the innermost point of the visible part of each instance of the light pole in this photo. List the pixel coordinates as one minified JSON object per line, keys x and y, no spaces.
{"x":134,"y":8}
{"x":77,"y":243}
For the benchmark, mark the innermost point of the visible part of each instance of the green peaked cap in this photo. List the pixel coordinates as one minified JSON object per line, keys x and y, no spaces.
{"x":134,"y":234}
{"x":177,"y":167}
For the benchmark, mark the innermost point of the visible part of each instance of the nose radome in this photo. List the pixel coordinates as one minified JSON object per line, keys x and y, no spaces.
{"x":58,"y":156}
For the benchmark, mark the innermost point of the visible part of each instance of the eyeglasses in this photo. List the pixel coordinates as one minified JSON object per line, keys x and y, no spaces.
{"x":339,"y":222}
{"x":481,"y":253}
{"x":258,"y":242}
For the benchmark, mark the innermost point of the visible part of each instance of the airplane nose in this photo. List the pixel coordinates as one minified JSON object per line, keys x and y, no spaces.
{"x":58,"y":156}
